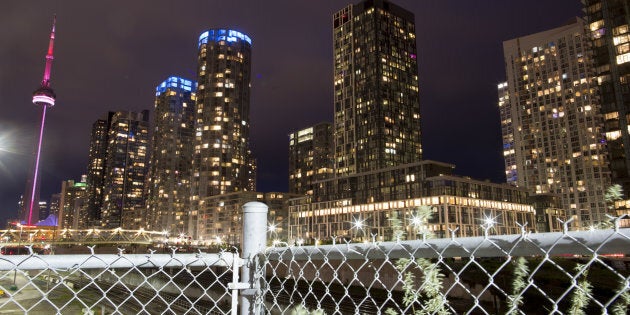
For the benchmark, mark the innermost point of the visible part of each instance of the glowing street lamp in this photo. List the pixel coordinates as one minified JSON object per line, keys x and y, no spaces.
{"x":416,"y":221}
{"x":489,"y":223}
{"x":358,"y":225}
{"x":272,"y":227}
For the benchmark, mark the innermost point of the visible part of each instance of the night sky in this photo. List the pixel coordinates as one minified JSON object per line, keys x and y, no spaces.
{"x":110,"y":55}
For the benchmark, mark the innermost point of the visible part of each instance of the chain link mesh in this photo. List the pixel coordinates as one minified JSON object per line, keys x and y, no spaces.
{"x":583,"y":272}
{"x":549,"y":273}
{"x":116,"y":284}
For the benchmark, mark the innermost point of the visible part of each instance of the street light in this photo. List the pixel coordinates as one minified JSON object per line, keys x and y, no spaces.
{"x":272,"y":229}
{"x":358,"y":224}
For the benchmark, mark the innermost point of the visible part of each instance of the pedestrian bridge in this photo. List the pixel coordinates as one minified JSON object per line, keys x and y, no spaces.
{"x":44,"y":237}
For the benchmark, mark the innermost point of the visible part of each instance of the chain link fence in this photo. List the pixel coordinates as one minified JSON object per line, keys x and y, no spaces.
{"x":550,"y":273}
{"x":585,"y":272}
{"x":174,"y":283}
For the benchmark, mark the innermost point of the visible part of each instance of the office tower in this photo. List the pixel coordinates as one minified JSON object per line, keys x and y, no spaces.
{"x":44,"y":97}
{"x":310,"y":157}
{"x":376,"y":100}
{"x":96,"y":168}
{"x":42,"y":212}
{"x":53,"y":207}
{"x":222,"y":160}
{"x":609,"y":28}
{"x":556,"y":132}
{"x":124,"y":170}
{"x":72,"y":205}
{"x":168,"y":198}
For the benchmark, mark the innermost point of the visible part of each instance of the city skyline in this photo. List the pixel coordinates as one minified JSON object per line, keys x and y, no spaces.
{"x":289,"y":92}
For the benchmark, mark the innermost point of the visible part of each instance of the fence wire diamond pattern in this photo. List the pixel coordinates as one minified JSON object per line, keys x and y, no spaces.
{"x":549,"y":273}
{"x":116,"y":284}
{"x":584,"y":272}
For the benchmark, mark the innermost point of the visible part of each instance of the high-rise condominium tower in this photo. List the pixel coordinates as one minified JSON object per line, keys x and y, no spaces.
{"x":377,"y":109}
{"x":96,"y":168}
{"x":551,"y":120}
{"x":609,"y":27}
{"x":168,"y":202}
{"x":379,"y":176}
{"x":222,"y":160}
{"x":124,"y":170}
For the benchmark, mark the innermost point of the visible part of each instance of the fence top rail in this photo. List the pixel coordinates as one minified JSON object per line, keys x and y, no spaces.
{"x":599,"y":242}
{"x":97,"y":261}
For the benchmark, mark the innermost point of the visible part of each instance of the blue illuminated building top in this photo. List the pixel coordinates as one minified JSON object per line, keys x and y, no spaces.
{"x":226,"y":35}
{"x":176,"y":83}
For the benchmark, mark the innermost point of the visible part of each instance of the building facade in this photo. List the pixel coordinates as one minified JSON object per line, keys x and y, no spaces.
{"x":507,"y":132}
{"x":53,"y":207}
{"x":222,"y":160}
{"x":43,"y":211}
{"x":73,"y":205}
{"x":310,"y":157}
{"x":125,"y":170}
{"x":170,"y":167}
{"x":457,"y":204}
{"x":221,"y":222}
{"x":379,"y":177}
{"x":552,"y":123}
{"x":376,"y":100}
{"x":96,"y":168}
{"x":609,"y":29}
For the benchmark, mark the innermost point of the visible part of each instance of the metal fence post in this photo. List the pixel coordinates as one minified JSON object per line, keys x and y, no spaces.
{"x":254,"y":241}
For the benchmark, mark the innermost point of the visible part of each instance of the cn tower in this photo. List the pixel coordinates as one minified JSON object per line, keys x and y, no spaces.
{"x":44,"y":96}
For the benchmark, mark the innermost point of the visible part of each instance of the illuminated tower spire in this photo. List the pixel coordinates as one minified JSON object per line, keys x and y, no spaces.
{"x":44,"y":97}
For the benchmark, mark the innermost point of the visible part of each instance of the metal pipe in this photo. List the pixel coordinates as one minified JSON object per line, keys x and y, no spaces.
{"x":37,"y":262}
{"x":254,"y":242}
{"x":536,"y":244}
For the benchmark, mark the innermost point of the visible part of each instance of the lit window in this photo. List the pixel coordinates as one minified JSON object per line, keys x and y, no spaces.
{"x":621,"y":59}
{"x":613,"y":135}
